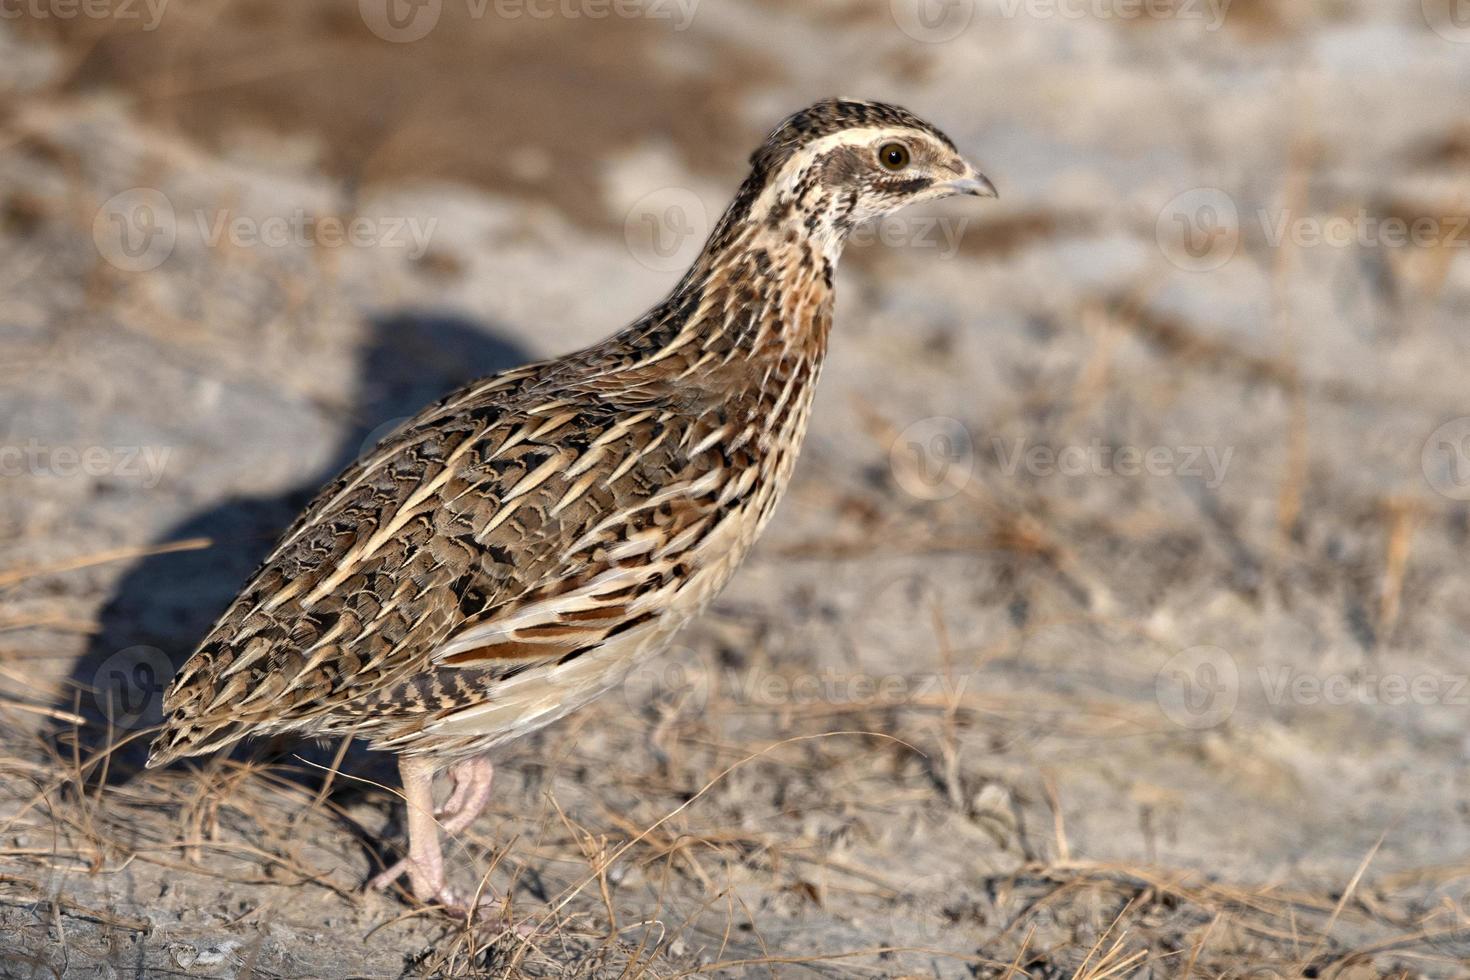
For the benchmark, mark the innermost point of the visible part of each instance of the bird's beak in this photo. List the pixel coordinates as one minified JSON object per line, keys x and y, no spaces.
{"x":973,"y":183}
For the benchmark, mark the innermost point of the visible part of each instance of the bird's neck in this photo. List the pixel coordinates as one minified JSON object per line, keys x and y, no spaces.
{"x":761,"y":291}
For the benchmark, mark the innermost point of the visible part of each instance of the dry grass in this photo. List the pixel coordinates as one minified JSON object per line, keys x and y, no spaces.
{"x":281,"y":836}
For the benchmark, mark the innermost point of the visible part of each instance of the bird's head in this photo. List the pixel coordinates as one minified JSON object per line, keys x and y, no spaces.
{"x":841,"y":162}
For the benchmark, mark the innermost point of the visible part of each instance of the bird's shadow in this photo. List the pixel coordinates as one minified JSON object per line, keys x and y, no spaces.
{"x":165,"y":603}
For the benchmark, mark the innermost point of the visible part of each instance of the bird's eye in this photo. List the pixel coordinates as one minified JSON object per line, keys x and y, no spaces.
{"x":893,"y":156}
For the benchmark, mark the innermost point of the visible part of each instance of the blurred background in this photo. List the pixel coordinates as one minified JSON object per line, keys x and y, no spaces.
{"x":1127,"y":548}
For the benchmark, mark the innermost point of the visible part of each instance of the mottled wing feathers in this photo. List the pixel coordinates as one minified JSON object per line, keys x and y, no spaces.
{"x":498,"y":532}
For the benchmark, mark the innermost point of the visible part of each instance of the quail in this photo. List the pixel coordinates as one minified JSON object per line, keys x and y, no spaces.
{"x":519,"y":546}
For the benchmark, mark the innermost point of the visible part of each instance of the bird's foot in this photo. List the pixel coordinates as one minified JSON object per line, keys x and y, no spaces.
{"x":383,"y":881}
{"x":428,"y":885}
{"x":482,"y":910}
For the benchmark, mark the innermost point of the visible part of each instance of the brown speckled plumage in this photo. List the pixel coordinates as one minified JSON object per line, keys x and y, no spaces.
{"x":516,"y":548}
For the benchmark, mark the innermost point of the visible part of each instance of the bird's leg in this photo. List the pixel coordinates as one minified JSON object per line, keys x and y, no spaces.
{"x":425,"y":862}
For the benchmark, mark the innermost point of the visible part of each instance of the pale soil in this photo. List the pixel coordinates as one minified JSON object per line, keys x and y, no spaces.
{"x":917,"y":737}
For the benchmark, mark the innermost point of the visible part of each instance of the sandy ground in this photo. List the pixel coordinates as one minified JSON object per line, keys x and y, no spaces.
{"x":1114,"y":625}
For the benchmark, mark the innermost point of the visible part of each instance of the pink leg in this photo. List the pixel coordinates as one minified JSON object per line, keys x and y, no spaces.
{"x":425,"y":862}
{"x":455,"y":803}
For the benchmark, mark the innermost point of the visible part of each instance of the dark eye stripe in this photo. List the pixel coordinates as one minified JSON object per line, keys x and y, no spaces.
{"x":910,"y":186}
